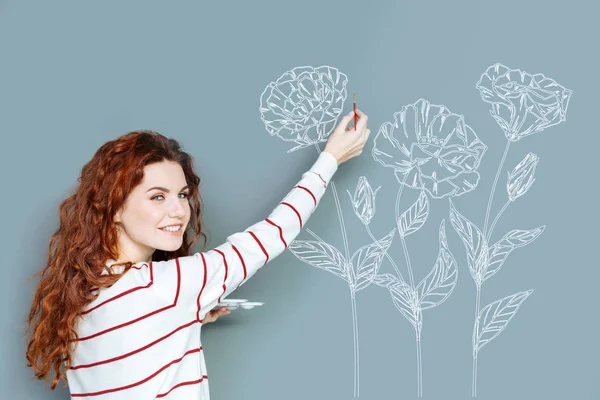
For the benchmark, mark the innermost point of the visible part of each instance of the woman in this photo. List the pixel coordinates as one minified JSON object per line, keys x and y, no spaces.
{"x":121,"y":302}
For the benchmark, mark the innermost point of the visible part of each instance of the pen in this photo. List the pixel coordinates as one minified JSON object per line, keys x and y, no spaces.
{"x":355,"y":116}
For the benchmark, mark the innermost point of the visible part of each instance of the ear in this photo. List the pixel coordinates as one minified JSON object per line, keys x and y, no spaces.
{"x":117,"y":217}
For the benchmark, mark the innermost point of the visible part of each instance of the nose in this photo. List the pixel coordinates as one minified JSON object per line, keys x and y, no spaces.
{"x":177,"y":208}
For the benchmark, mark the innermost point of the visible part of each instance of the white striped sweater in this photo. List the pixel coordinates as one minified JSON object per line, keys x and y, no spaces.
{"x":140,"y":338}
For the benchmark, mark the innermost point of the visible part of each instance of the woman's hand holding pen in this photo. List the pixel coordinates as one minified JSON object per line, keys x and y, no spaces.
{"x":345,"y":143}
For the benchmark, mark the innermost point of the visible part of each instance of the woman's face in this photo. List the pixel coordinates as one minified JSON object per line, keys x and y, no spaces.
{"x":159,"y":201}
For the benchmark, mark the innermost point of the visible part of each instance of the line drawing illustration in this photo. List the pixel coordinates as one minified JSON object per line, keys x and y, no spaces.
{"x":303,"y":107}
{"x":433,"y":150}
{"x":522,"y":104}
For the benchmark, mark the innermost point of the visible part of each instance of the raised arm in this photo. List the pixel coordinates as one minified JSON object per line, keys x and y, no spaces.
{"x":232,"y":263}
{"x":203,"y":279}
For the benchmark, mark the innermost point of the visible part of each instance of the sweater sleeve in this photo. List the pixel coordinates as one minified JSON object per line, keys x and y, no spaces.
{"x":203,"y":279}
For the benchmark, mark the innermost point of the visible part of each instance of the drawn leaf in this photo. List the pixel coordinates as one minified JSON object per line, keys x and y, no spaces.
{"x":404,"y":301}
{"x":319,"y":254}
{"x":389,"y":281}
{"x":437,"y":286}
{"x":367,"y":261}
{"x":494,"y":317}
{"x":301,"y":144}
{"x":403,"y":296}
{"x":475,"y":244}
{"x":500,"y":250}
{"x":414,"y":218}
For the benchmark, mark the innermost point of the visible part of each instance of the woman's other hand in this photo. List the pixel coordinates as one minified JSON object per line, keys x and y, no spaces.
{"x":214,"y":314}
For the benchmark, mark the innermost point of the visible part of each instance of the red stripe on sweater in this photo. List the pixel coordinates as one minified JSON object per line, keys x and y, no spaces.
{"x":226,"y":272}
{"x":143,"y":316}
{"x":203,"y":285}
{"x":182,"y":384}
{"x":243,"y":263}
{"x":109,"y":360}
{"x":125,"y":292}
{"x":296,"y":211}
{"x":309,"y":192}
{"x":117,"y":389}
{"x":280,"y":231}
{"x":324,"y":183}
{"x":261,"y":246}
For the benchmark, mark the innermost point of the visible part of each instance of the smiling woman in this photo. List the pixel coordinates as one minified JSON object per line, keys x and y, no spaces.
{"x":155,"y":214}
{"x":121,"y":302}
{"x":100,"y":223}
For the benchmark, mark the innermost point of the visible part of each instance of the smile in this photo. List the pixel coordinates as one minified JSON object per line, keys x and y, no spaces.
{"x":172,"y":228}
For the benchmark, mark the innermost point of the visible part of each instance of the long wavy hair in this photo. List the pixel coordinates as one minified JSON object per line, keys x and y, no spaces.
{"x":87,"y":237}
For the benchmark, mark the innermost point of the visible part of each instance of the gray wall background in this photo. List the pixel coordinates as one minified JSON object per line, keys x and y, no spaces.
{"x":76,"y":74}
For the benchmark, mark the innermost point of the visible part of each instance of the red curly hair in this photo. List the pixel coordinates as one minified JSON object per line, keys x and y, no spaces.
{"x":87,"y":237}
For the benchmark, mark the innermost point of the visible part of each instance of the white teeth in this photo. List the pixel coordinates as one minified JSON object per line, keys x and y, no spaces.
{"x":172,"y":228}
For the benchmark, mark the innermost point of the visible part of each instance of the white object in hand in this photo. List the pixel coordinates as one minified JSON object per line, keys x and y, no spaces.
{"x":233,"y":304}
{"x":250,"y":304}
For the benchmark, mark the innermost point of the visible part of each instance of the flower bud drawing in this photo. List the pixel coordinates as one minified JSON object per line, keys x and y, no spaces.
{"x":521,"y":178}
{"x":363,"y":201}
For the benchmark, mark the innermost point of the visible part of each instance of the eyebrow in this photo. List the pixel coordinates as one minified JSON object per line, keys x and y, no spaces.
{"x":165,"y":189}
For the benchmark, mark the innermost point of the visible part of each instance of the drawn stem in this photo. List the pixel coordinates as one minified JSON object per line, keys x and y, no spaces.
{"x":477,"y":305}
{"x":347,"y":252}
{"x":489,"y":205}
{"x":412,"y":285}
{"x":402,"y":240}
{"x":390,"y":259}
{"x":339,"y":212}
{"x":474,"y":388}
{"x":489,"y":235}
{"x":419,"y":364}
{"x":356,"y":353}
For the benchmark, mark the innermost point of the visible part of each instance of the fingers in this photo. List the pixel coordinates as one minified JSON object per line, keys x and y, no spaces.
{"x":345,"y":121}
{"x":362,"y":120}
{"x":365,"y":134}
{"x":350,"y":117}
{"x":348,"y":141}
{"x":217,"y":312}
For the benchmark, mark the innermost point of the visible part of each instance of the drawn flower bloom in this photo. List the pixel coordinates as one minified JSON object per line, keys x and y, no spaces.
{"x":430,"y":148}
{"x":521,"y":103}
{"x":363,"y":201}
{"x":521,"y":178}
{"x":303,"y":105}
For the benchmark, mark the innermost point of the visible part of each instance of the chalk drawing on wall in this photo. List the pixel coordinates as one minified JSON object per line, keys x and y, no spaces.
{"x":303,"y":107}
{"x":433,"y":150}
{"x":522,"y":104}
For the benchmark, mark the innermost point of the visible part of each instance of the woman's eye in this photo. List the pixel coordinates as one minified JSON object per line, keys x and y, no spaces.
{"x":160,"y":195}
